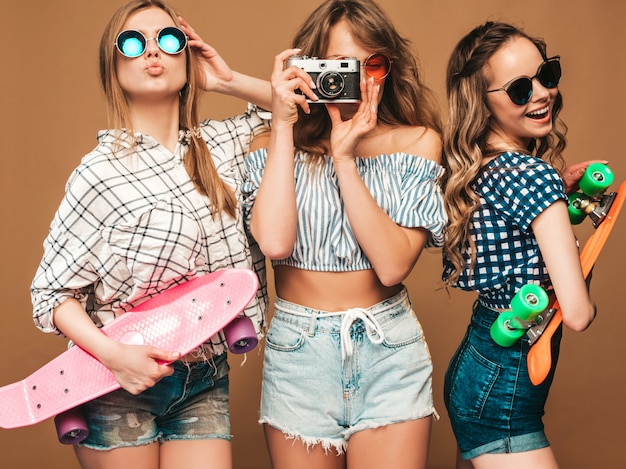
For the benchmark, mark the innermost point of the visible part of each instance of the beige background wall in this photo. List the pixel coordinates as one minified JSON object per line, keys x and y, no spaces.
{"x":51,"y":107}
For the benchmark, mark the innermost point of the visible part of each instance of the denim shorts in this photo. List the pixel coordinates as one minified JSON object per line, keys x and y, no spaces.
{"x":492,"y":404}
{"x":329,"y":375}
{"x":190,"y":404}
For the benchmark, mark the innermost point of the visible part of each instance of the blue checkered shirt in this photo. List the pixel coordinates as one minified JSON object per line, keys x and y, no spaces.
{"x":513,"y":189}
{"x":132,"y":224}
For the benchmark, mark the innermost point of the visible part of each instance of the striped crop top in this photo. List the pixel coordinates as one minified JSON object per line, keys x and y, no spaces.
{"x":403,"y":185}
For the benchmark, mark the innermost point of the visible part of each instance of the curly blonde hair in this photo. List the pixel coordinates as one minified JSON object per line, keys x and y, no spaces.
{"x":468,"y":126}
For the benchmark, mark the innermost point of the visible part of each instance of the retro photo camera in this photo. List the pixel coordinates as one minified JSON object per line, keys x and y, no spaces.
{"x":336,"y":80}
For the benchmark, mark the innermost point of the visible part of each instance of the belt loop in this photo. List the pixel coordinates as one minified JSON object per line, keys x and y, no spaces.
{"x":312,"y":323}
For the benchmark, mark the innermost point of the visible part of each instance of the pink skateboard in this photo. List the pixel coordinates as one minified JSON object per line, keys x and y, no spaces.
{"x":180,"y":319}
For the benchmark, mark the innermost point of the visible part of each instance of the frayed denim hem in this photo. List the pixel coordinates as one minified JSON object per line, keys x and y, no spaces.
{"x":157,"y":439}
{"x":339,"y":445}
{"x":370,"y":426}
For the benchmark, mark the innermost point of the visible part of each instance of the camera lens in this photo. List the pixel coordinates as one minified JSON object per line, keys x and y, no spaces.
{"x":330,"y":84}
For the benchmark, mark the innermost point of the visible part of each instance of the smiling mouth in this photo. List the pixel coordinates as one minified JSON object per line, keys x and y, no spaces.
{"x":539,"y":114}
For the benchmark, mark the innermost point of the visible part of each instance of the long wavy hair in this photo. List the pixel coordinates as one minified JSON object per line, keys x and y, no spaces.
{"x":198,"y":160}
{"x":467,"y":129}
{"x":406,"y":100}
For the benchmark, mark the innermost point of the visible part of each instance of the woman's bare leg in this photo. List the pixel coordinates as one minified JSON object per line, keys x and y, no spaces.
{"x":402,"y":445}
{"x":293,"y":453}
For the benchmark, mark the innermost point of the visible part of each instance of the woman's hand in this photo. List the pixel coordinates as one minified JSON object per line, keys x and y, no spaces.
{"x":345,"y":135}
{"x":572,"y":174}
{"x":139,"y":367}
{"x":214,"y":70}
{"x":285,"y":82}
{"x":135,"y":367}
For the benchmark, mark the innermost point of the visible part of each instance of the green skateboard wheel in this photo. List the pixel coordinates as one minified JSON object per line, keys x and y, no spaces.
{"x":525,"y":306}
{"x":503,"y":331}
{"x":575,"y":207}
{"x":529,"y":301}
{"x":596,"y":179}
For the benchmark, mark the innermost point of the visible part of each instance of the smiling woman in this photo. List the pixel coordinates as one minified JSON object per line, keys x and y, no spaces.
{"x":508,"y":227}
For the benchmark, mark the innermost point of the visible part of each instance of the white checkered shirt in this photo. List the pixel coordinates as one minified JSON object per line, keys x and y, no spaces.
{"x":131,"y":224}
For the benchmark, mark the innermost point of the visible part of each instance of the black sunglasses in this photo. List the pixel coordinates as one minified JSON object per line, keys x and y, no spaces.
{"x":132,"y":43}
{"x":520,"y":89}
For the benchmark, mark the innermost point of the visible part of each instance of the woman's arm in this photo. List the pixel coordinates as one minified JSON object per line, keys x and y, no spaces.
{"x":392,"y":249}
{"x":274,"y":218}
{"x":218,"y":76}
{"x":557,"y":243}
{"x":136,"y":367}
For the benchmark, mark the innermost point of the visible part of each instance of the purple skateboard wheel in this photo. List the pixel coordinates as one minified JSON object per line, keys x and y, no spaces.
{"x":240,"y":335}
{"x":71,"y":426}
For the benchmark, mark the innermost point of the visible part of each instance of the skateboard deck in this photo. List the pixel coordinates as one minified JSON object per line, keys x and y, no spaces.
{"x":179,"y":319}
{"x":540,"y":356}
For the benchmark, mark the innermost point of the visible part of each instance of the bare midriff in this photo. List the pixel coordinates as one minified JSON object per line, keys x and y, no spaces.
{"x":331,"y":291}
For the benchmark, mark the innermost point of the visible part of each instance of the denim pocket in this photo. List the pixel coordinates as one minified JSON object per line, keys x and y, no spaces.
{"x":472,"y":382}
{"x":283,"y":336}
{"x":401,"y":330}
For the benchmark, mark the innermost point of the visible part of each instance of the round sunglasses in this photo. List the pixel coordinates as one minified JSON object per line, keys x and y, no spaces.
{"x":520,"y":89}
{"x":377,"y":66}
{"x":132,"y":43}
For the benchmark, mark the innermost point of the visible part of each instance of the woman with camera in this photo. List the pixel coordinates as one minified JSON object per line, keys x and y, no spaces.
{"x":343,"y":200}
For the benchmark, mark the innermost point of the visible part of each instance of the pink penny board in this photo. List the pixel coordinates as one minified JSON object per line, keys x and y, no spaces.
{"x":179,"y":319}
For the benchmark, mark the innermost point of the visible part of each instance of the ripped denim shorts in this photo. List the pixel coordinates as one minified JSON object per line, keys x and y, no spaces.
{"x":190,"y":404}
{"x":329,"y":375}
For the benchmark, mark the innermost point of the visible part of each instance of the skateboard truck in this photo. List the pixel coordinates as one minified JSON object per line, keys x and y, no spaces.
{"x":526,"y":307}
{"x":540,"y":325}
{"x":596,"y":210}
{"x":591,"y":199}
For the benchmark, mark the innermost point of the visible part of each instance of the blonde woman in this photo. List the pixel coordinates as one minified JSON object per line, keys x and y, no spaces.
{"x":508,"y":226}
{"x":156,"y":203}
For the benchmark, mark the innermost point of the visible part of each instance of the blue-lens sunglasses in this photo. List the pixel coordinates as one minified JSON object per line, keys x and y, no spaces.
{"x":132,"y":43}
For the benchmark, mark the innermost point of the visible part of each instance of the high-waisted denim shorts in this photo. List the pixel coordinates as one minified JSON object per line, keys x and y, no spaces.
{"x":492,"y":404}
{"x":190,"y":404}
{"x":329,"y":375}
